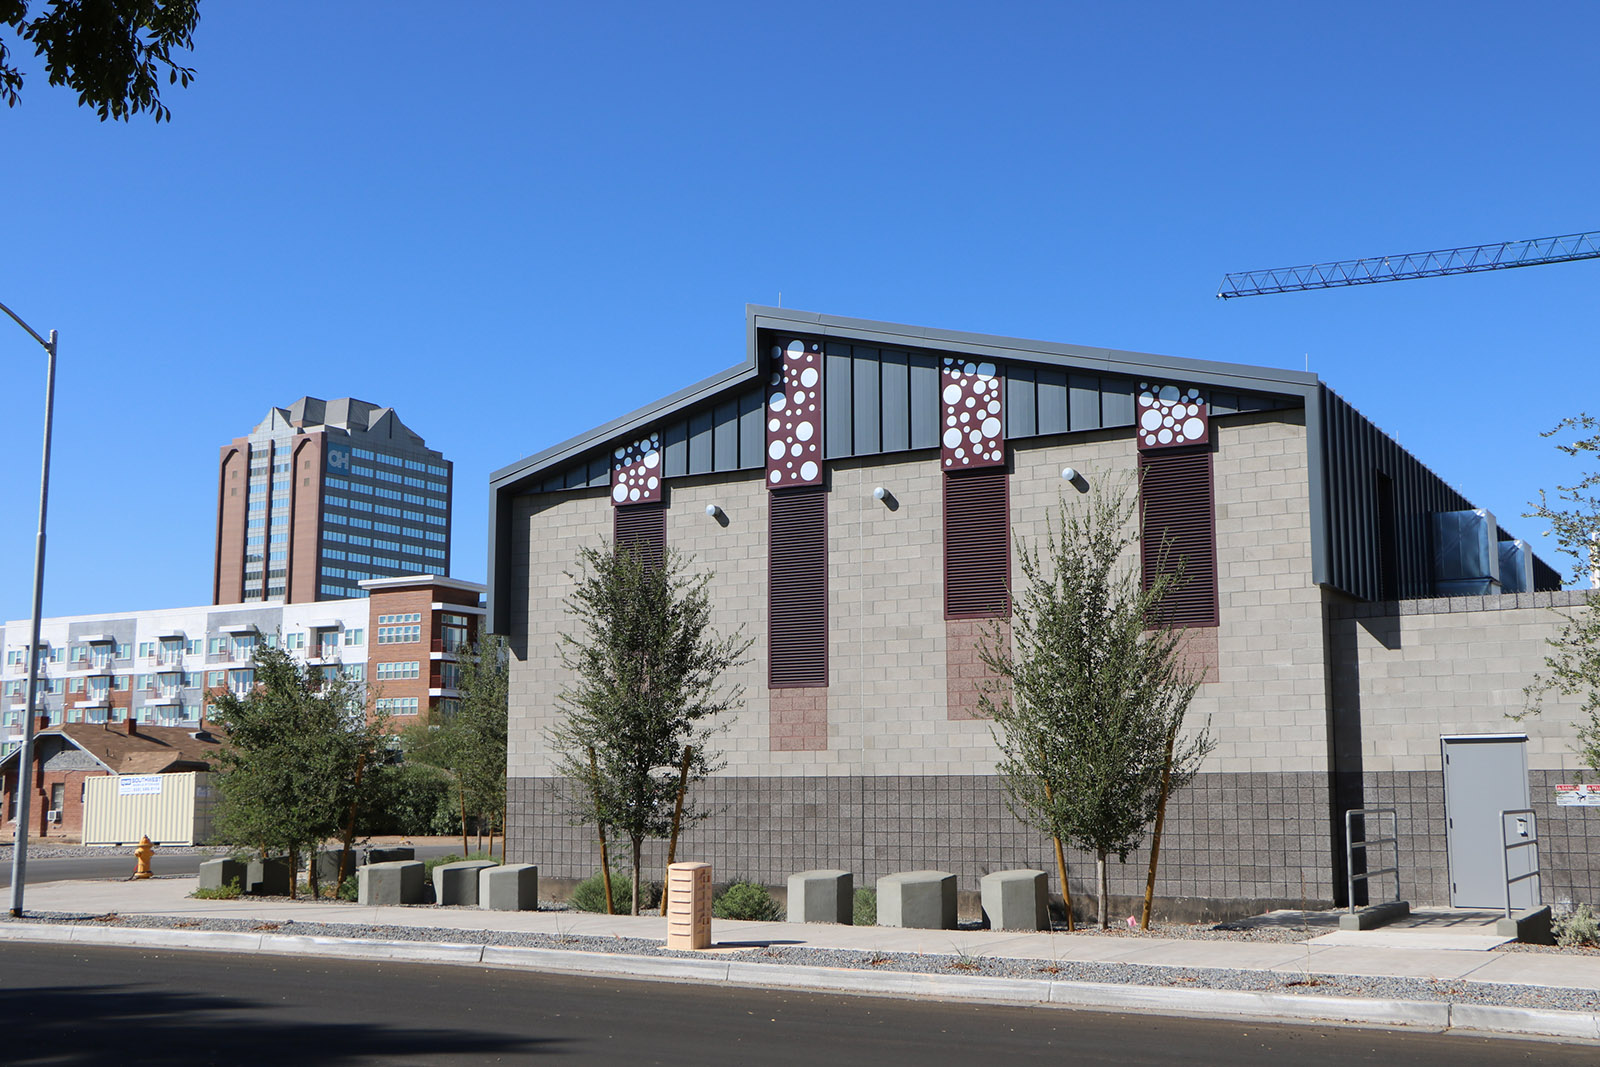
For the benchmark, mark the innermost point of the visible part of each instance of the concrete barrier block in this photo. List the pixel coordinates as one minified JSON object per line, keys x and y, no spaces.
{"x":510,"y":887}
{"x":391,"y":855}
{"x":1015,"y":900}
{"x":822,"y":897}
{"x":457,"y":883}
{"x":270,"y":877}
{"x":918,"y":900}
{"x":328,"y":864}
{"x":397,"y":882}
{"x":217,"y":874}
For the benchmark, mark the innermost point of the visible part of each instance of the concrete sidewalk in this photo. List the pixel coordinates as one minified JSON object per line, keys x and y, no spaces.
{"x":1377,"y":954}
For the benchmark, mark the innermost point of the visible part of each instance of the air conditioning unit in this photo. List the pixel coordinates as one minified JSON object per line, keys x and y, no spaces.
{"x":52,"y":816}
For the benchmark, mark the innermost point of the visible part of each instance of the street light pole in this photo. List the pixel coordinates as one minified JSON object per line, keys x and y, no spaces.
{"x":19,"y":856}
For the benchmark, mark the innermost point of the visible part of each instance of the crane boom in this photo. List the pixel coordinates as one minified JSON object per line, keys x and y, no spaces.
{"x":1468,"y":260}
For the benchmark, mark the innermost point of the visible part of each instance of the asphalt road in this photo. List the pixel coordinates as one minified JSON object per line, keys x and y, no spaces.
{"x":73,"y":1005}
{"x":76,"y":867}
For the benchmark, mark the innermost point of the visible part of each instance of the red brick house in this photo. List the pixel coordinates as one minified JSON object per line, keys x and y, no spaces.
{"x":65,"y":756}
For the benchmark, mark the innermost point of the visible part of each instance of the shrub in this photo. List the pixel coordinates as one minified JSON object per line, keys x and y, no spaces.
{"x":865,"y":912}
{"x":590,"y":894}
{"x":1578,"y":928}
{"x":407,"y":799}
{"x":429,"y":865}
{"x":746,"y":900}
{"x":231,"y":891}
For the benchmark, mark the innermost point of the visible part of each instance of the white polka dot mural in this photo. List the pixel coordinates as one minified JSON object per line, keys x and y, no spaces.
{"x":973,"y":424}
{"x":636,"y":472}
{"x":1172,"y":415}
{"x":794,"y":415}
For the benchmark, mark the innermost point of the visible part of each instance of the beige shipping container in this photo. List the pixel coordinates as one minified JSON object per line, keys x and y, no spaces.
{"x":170,"y":809}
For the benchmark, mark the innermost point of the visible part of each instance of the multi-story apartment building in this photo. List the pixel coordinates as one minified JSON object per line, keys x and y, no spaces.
{"x":322,"y":495}
{"x":162,"y":667}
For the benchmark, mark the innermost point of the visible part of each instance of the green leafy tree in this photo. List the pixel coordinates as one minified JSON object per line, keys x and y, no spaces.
{"x":1089,"y":700}
{"x":112,"y":52}
{"x":647,"y":688}
{"x":1572,"y":669}
{"x":289,"y":763}
{"x":470,"y":743}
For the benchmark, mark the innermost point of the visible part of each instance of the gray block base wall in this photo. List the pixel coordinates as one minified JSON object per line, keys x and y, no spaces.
{"x":1236,"y":844}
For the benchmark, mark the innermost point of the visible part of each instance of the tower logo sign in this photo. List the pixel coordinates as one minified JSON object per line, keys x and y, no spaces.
{"x":339,"y":459}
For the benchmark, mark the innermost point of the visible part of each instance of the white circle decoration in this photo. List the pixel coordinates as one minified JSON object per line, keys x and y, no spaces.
{"x":970,"y":368}
{"x":796,"y":348}
{"x":795,"y":450}
{"x":974,"y":436}
{"x":1194,"y":428}
{"x":775,"y":450}
{"x":1169,"y":393}
{"x":952,"y":437}
{"x":776,"y":476}
{"x":808,"y":377}
{"x":994,"y":407}
{"x":952,"y":394}
{"x":651,"y":483}
{"x":620,"y":493}
{"x":633,"y":494}
{"x":980,"y":386}
{"x":1150,"y":419}
{"x":773,"y":425}
{"x":1165,"y":436}
{"x":778,"y":402}
{"x":652,"y":460}
{"x":991,"y":427}
{"x":804,"y":431}
{"x":808,"y":470}
{"x":985,"y":370}
{"x":972,"y":401}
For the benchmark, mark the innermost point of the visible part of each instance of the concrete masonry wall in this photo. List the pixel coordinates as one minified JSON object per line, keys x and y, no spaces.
{"x":901,"y":784}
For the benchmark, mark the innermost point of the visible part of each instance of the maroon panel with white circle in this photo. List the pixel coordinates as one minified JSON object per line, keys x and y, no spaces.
{"x":972,"y":432}
{"x":794,"y":415}
{"x":1172,"y":415}
{"x":636,"y":472}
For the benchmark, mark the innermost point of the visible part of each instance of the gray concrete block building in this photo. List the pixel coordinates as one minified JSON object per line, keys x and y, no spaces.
{"x":859,"y":489}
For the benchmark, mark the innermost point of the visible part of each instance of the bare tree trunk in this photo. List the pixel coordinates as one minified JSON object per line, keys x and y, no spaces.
{"x":294,"y":872}
{"x":1061,"y":869}
{"x":1105,"y":902}
{"x":638,"y":844}
{"x":677,"y":812}
{"x":350,"y":827}
{"x":1155,"y":837}
{"x":461,"y":792}
{"x":605,"y":859}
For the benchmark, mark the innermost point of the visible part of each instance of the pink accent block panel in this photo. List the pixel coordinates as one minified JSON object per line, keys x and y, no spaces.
{"x":965,"y":672}
{"x":798,"y":719}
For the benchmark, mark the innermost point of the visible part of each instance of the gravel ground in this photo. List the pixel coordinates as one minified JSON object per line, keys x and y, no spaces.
{"x":1309,"y":984}
{"x":62,"y":852}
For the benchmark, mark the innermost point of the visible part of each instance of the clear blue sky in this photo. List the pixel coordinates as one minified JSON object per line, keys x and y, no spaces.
{"x":514,"y":221}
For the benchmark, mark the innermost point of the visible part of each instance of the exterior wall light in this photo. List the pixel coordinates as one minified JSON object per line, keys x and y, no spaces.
{"x":879,"y":493}
{"x":714,"y":512}
{"x":1075,"y":478}
{"x":886,"y":498}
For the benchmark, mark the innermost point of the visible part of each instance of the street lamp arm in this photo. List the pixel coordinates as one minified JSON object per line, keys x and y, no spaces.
{"x":48,"y":346}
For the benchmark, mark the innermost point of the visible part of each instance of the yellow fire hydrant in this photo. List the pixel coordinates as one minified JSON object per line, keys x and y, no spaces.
{"x":143,"y":854}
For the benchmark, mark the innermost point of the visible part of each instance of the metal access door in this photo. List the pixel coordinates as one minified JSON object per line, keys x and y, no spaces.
{"x":1484,"y":774}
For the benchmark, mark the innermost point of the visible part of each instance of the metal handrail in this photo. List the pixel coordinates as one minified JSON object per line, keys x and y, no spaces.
{"x":1505,"y":855}
{"x":1351,"y":844}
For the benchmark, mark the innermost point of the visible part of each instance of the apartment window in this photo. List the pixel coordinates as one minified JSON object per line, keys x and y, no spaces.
{"x":797,"y":588}
{"x":399,"y":629}
{"x":215,"y":679}
{"x":354,"y":637}
{"x":99,"y":687}
{"x":241,"y":682}
{"x":453,"y":629}
{"x":397,"y":705}
{"x":244,"y":646}
{"x":1178,"y":532}
{"x":121,"y":682}
{"x":450,"y":675}
{"x":100,"y":656}
{"x":327,"y":643}
{"x":389,"y":672}
{"x":77,"y":685}
{"x":294,"y":642}
{"x":95,"y":714}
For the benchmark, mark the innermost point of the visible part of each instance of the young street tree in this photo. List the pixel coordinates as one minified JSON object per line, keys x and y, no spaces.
{"x":646,"y":691}
{"x":112,"y":52}
{"x":1572,"y":668}
{"x":1089,"y":701}
{"x":289,"y":764}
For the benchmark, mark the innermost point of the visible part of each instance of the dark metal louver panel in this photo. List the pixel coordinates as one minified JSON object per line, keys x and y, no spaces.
{"x":977,"y":544}
{"x":641,"y":528}
{"x":797,"y":588}
{"x":1178,"y":518}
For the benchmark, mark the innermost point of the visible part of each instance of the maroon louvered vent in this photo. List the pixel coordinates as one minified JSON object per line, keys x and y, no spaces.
{"x":641,"y":528}
{"x":977,"y":544}
{"x":797,"y":588}
{"x":1178,"y":519}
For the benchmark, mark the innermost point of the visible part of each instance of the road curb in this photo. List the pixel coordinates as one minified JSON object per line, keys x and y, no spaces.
{"x":1023,"y":992}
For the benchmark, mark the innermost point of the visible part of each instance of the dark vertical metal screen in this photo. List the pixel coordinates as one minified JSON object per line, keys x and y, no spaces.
{"x":797,"y":588}
{"x":977,"y":544}
{"x":1178,"y":532}
{"x":641,"y":528}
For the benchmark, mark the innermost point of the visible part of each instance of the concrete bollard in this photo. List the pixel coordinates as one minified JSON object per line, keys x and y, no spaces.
{"x":510,"y":887}
{"x":392,"y":854}
{"x":822,"y":897}
{"x":920,"y":900}
{"x":1015,"y":900}
{"x":398,"y":882}
{"x":270,"y":877}
{"x":219,"y":873}
{"x":457,"y":883}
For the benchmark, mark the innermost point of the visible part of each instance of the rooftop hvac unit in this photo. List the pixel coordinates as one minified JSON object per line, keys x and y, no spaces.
{"x":1466,"y":557}
{"x":1516,"y":567}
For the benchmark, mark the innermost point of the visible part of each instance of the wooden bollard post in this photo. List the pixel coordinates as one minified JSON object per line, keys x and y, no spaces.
{"x":689,"y":906}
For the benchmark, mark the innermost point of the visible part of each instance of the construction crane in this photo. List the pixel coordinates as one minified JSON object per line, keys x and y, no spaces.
{"x":1468,"y":260}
